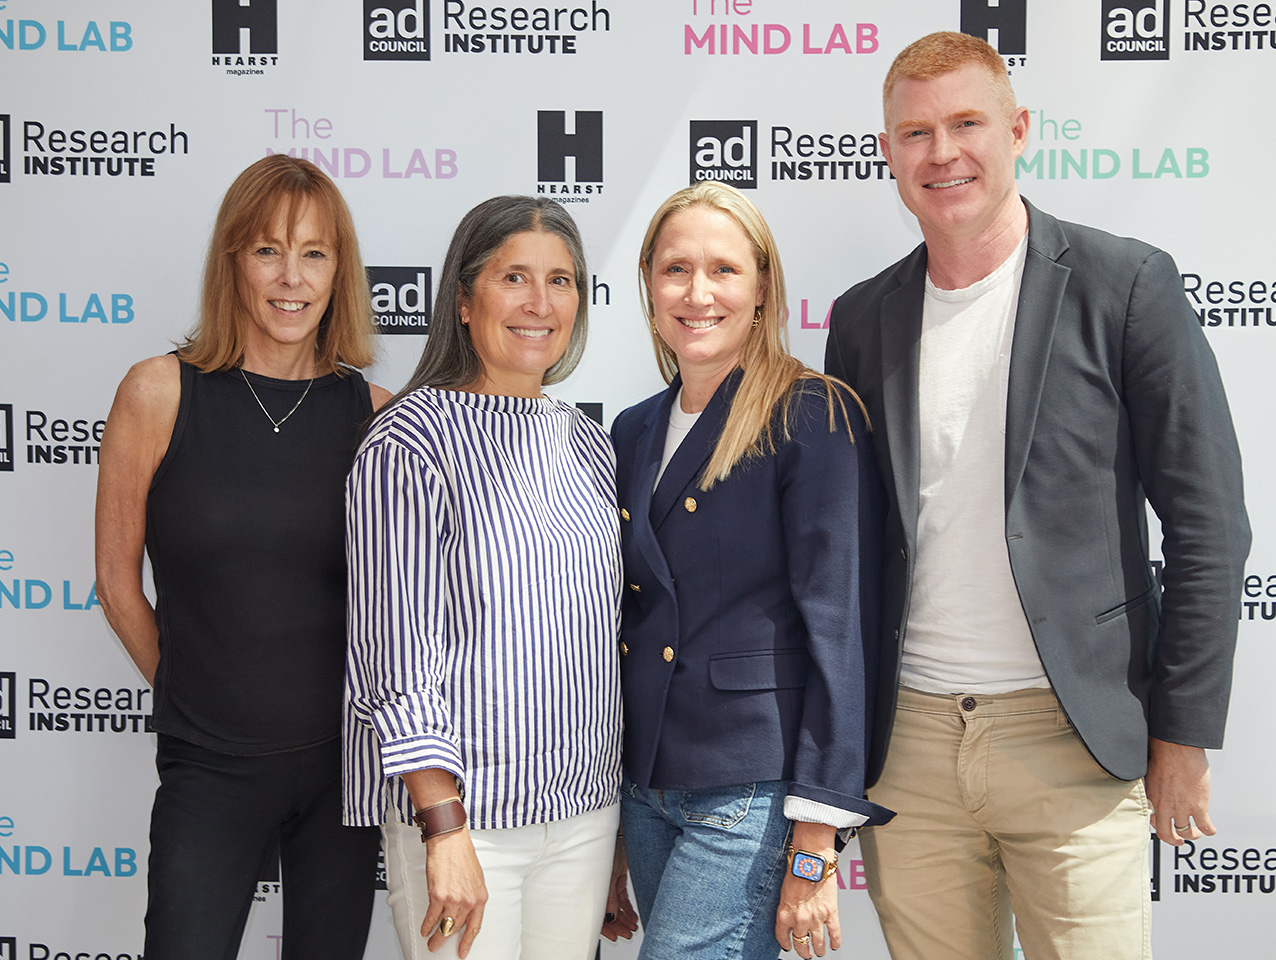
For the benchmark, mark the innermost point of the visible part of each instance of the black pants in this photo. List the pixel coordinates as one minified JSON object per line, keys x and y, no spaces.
{"x":214,"y":818}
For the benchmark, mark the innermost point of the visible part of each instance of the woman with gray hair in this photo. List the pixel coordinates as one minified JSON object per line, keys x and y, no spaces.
{"x":482,"y":690}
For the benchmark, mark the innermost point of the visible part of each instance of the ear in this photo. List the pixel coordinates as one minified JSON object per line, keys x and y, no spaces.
{"x":1019,"y":124}
{"x":884,"y":142}
{"x":764,"y":283}
{"x":462,"y":305}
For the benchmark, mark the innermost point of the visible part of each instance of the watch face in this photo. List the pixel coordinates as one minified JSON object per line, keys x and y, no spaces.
{"x":808,"y":867}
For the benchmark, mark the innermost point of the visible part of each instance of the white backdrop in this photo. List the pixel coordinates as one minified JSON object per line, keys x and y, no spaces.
{"x":123,"y":123}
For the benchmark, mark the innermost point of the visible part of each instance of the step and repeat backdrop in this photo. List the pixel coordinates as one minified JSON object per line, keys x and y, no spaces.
{"x":122,"y":124}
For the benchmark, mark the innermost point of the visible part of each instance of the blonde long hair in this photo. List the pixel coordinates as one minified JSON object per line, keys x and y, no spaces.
{"x":770,"y":372}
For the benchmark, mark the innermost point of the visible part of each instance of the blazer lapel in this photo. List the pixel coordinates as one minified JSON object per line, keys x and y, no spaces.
{"x":650,"y":451}
{"x":1040,"y":298}
{"x":901,"y":325}
{"x":689,"y":459}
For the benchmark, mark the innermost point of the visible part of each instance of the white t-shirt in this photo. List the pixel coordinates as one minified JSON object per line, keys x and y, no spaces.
{"x":967,"y":632}
{"x":680,"y":425}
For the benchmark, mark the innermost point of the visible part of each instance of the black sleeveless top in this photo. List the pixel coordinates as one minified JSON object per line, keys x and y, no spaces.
{"x":245,"y":528}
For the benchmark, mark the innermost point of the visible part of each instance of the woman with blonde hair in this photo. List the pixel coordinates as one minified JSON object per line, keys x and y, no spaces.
{"x":751,"y":528}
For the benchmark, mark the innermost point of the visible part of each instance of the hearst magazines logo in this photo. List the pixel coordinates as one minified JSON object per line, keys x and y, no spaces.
{"x":245,"y":36}
{"x":1003,"y":23}
{"x":401,"y":299}
{"x":583,"y":144}
{"x":396,"y":31}
{"x":725,"y":150}
{"x":1134,"y":31}
{"x":8,"y":706}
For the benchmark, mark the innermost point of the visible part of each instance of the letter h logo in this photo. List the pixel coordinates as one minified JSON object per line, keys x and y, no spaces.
{"x":555,"y":145}
{"x":1007,"y":18}
{"x":259,"y":18}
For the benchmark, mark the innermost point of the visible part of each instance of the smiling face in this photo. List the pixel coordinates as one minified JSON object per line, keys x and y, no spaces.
{"x":952,"y":148}
{"x":285,"y":285}
{"x":521,"y":313}
{"x":705,"y":286}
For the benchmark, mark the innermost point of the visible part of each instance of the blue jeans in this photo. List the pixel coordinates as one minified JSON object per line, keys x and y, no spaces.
{"x":707,"y":867}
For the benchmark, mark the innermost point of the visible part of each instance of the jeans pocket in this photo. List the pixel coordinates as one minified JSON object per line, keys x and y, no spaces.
{"x":627,"y":787}
{"x":721,"y":807}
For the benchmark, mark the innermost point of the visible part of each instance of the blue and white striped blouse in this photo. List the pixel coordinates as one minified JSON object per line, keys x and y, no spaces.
{"x":484,"y":595}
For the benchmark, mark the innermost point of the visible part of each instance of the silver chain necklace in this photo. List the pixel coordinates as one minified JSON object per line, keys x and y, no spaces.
{"x":273,"y":422}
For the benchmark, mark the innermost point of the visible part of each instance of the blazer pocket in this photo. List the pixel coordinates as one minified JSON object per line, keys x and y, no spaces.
{"x":764,"y":670}
{"x":1122,"y":609}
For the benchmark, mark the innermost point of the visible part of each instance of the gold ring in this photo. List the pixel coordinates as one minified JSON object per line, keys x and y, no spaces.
{"x":806,"y":939}
{"x":446,"y":927}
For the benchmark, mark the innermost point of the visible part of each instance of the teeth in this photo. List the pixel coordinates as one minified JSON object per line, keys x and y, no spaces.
{"x":531,"y":334}
{"x":948,"y":183}
{"x":292,"y":306}
{"x":701,"y":324}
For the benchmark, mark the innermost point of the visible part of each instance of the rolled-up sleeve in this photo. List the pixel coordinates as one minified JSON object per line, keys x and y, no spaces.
{"x":832,"y":511}
{"x":396,"y":531}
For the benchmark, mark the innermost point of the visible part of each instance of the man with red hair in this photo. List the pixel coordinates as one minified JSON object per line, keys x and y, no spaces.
{"x":1033,"y":384}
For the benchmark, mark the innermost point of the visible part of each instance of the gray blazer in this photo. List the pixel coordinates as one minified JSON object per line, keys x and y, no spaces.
{"x":1114,"y":399}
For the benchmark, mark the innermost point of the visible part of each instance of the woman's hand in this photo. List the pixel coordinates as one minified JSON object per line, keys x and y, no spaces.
{"x":454,"y":879}
{"x":806,"y":908}
{"x":620,"y":920}
{"x":456,"y":890}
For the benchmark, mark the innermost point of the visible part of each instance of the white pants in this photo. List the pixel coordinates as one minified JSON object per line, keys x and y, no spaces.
{"x":546,"y":886}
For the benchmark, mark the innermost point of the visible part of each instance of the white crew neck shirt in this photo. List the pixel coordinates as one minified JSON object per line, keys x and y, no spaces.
{"x":967,"y":632}
{"x":680,"y":425}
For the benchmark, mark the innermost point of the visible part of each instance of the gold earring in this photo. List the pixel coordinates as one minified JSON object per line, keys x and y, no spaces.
{"x":757,"y":316}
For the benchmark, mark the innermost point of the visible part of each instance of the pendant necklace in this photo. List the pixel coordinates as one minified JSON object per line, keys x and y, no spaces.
{"x":273,"y":422}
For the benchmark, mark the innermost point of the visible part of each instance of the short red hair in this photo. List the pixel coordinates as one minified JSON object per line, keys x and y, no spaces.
{"x":939,"y":53}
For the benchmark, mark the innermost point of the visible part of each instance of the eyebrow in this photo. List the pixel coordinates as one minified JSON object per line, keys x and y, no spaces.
{"x":951,"y":118}
{"x":523,"y":268}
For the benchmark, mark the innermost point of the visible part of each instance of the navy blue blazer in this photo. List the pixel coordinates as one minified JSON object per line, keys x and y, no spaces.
{"x":750,"y":611}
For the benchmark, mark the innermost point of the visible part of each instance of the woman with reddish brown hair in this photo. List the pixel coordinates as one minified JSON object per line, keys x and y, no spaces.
{"x":225,"y":460}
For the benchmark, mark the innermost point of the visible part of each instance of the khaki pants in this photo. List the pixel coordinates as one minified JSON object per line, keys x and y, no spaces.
{"x":1000,"y":808}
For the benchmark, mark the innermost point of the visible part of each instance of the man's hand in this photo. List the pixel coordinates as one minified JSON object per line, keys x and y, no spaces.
{"x":1178,"y":787}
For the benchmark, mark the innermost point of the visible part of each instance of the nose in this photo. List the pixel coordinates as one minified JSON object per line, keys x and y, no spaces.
{"x":290,"y":270}
{"x":698,"y":291}
{"x":537,"y":302}
{"x":943,"y":148}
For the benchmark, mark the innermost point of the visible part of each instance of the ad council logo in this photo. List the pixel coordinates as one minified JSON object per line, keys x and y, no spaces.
{"x":1003,"y":24}
{"x":584,"y":144}
{"x":725,"y":150}
{"x":398,"y":32}
{"x":5,"y":174}
{"x":6,"y":437}
{"x":401,"y":299}
{"x":1135,"y":32}
{"x":8,"y":706}
{"x":235,"y":21}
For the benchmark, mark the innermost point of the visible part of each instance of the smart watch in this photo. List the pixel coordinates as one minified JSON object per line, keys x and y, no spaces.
{"x":811,"y":866}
